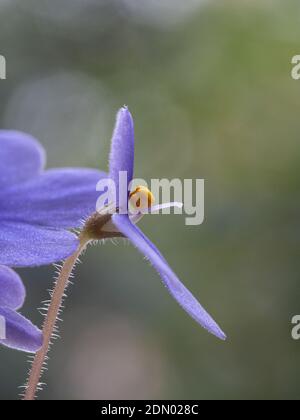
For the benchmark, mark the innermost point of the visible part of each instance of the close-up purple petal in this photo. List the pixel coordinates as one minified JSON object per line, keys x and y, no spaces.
{"x":121,"y":157}
{"x":61,"y":198}
{"x":16,"y":331}
{"x":37,"y":207}
{"x":21,"y":158}
{"x":21,"y":334}
{"x":27,"y":245}
{"x":12,"y":290}
{"x":179,"y":292}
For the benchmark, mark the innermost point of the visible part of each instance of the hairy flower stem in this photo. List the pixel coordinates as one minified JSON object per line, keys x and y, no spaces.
{"x":50,"y":322}
{"x":92,"y":231}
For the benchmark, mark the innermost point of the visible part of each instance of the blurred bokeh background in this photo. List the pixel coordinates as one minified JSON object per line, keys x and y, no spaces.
{"x":209,"y":85}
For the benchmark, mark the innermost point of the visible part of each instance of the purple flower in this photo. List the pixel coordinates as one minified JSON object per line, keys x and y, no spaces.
{"x":15,"y":330}
{"x":113,"y":218}
{"x":122,"y":160}
{"x":38,"y":207}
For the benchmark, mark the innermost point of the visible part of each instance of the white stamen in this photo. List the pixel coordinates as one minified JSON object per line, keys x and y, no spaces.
{"x":136,"y":217}
{"x":159,"y":207}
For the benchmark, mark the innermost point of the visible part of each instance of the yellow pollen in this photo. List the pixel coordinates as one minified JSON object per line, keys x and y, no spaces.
{"x":141,"y":198}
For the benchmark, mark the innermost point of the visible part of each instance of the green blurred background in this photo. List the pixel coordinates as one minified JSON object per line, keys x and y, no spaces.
{"x":209,"y":86}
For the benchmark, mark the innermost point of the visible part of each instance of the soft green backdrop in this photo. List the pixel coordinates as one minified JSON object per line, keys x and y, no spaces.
{"x":209,"y":85}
